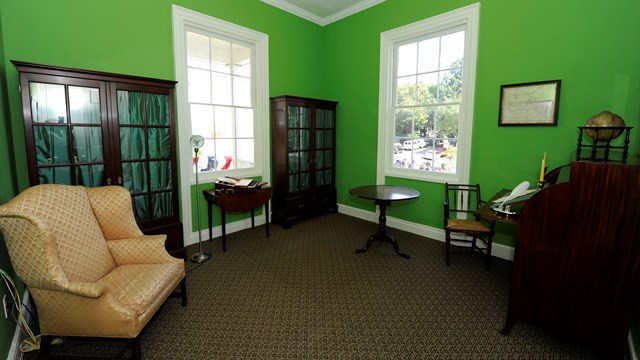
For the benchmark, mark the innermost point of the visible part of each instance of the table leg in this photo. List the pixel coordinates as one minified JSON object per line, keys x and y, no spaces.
{"x":223,"y":219}
{"x":253,"y":224}
{"x":382,"y":234}
{"x":209,"y":208}
{"x":266,"y":214}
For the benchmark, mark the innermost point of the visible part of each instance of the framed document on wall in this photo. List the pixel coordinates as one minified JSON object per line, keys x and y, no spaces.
{"x":534,"y":103}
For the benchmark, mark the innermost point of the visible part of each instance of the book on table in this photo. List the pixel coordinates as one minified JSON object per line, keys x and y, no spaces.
{"x":230,"y":181}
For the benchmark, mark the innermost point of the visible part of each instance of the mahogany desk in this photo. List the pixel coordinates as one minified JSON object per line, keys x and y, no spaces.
{"x":383,"y":195}
{"x":241,"y":199}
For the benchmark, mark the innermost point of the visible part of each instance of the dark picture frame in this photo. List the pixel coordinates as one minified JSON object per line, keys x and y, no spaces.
{"x":532,"y":103}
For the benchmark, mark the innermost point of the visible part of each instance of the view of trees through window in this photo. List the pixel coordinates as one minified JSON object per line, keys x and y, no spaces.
{"x":428,"y":95}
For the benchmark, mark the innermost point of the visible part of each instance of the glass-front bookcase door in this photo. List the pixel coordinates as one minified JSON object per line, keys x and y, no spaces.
{"x":299,"y":148}
{"x":67,"y":126}
{"x":324,"y":146}
{"x":144,"y":142}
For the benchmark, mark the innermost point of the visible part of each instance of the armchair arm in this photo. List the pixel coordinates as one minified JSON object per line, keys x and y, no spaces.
{"x":32,"y":250}
{"x":144,"y":249}
{"x":85,"y":289}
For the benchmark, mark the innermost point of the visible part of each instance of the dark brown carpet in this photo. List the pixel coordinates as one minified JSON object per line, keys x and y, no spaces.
{"x":303,"y":293}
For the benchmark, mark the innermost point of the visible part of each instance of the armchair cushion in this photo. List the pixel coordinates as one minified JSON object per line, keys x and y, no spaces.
{"x":137,"y":286}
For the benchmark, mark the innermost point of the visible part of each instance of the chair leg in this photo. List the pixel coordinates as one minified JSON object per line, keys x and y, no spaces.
{"x":136,"y":349}
{"x":447,"y":247}
{"x":45,"y":347}
{"x":488,"y":260}
{"x":183,"y":291}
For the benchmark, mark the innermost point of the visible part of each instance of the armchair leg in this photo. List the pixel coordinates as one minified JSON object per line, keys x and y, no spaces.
{"x":183,"y":291}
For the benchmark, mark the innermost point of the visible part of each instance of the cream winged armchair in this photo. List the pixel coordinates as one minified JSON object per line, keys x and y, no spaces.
{"x":90,"y":270}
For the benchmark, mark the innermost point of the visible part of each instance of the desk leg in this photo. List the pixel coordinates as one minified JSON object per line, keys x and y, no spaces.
{"x":266,"y":215}
{"x":223,"y":219}
{"x":382,"y":231}
{"x":209,"y":208}
{"x":253,"y":224}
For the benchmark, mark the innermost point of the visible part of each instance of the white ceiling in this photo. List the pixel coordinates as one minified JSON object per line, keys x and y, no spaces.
{"x":323,"y":12}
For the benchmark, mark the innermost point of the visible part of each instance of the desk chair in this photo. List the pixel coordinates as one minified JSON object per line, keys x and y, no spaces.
{"x":461,"y":225}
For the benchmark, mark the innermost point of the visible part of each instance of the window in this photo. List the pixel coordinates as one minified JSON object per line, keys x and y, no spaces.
{"x":427,"y":73}
{"x":222,"y":95}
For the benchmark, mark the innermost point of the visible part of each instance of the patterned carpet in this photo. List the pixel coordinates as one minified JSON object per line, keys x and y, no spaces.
{"x":304,"y":294}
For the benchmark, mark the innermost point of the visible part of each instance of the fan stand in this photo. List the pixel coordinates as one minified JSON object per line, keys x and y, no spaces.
{"x":200,"y":257}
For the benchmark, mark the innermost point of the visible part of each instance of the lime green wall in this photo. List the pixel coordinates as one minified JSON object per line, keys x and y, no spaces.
{"x":8,"y":188}
{"x":594,"y":49}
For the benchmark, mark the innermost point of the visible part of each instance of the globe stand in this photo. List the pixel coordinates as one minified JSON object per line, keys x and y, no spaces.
{"x":601,"y":147}
{"x":200,"y":257}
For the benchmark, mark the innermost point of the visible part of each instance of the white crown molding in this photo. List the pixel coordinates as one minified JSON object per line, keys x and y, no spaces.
{"x":322,"y":21}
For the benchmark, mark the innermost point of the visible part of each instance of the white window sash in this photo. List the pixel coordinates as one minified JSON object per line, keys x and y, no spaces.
{"x":184,"y":20}
{"x":468,"y":18}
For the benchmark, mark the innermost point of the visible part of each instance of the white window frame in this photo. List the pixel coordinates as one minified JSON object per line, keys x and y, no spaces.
{"x":468,"y":17}
{"x":188,"y":20}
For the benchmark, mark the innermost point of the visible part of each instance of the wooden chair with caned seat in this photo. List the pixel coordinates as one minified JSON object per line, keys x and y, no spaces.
{"x":463,"y":229}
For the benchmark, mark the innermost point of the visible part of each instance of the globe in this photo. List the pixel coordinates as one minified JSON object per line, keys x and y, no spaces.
{"x":604,"y":119}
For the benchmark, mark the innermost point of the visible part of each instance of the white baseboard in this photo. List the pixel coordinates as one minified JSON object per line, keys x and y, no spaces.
{"x":497,"y":250}
{"x":14,"y":351}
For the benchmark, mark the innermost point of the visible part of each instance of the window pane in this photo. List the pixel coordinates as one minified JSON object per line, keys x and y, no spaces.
{"x":197,"y":50}
{"x":220,"y":56}
{"x":202,"y":120}
{"x":452,"y":49}
{"x":447,"y":118}
{"x":407,"y":59}
{"x":450,"y":86}
{"x":244,"y":123}
{"x":422,"y":126}
{"x":221,"y":89}
{"x":427,"y":88}
{"x":404,"y":125}
{"x":241,"y":91}
{"x":199,"y":86}
{"x":428,"y":52}
{"x":241,"y":60}
{"x":220,"y":96}
{"x":245,"y":154}
{"x":225,"y":150}
{"x":406,"y":91}
{"x":223,"y":120}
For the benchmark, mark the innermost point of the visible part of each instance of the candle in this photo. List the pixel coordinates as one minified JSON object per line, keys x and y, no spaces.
{"x":543,"y":166}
